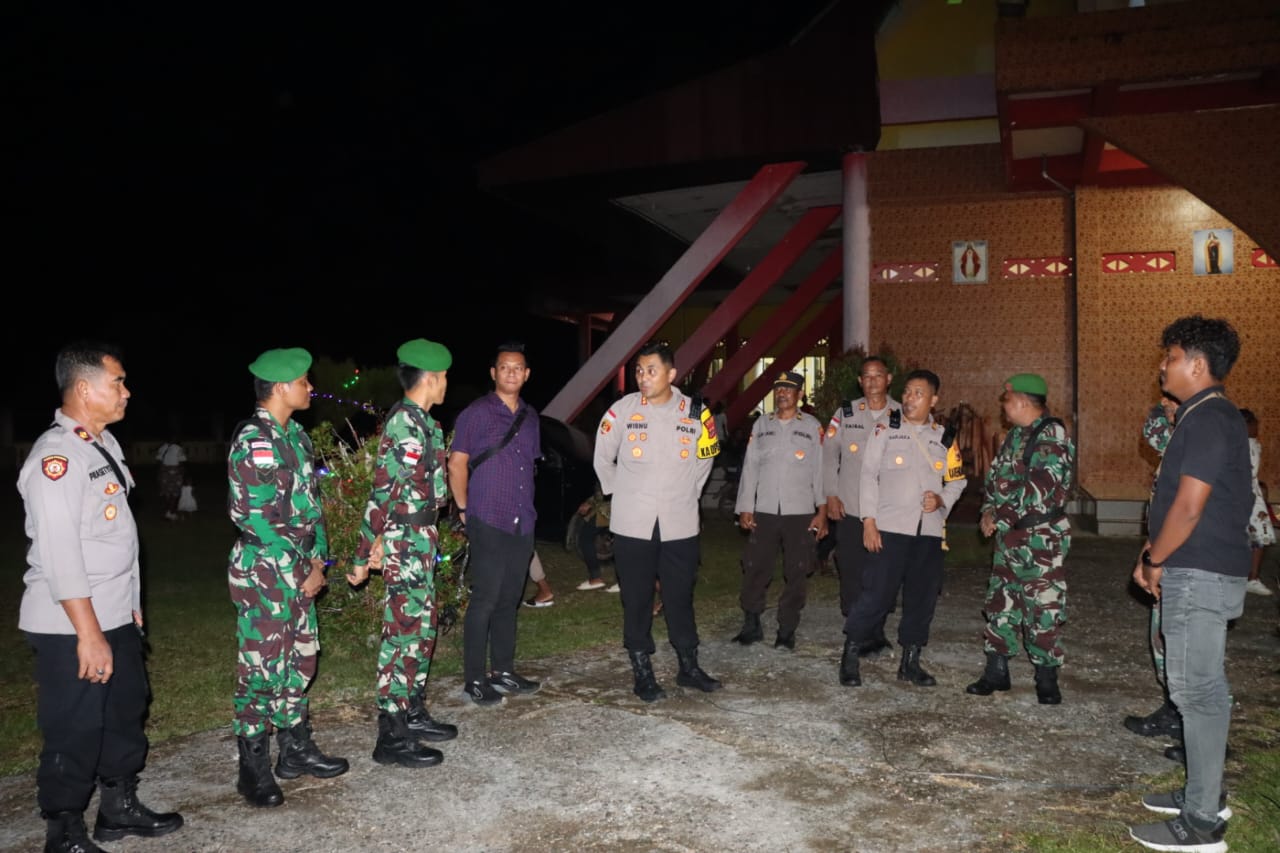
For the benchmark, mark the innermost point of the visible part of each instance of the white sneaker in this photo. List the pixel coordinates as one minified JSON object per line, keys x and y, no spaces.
{"x":614,"y":588}
{"x":1257,"y":587}
{"x":594,"y":583}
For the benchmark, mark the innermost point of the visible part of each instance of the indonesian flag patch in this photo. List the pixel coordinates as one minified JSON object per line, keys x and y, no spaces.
{"x":261,"y":453}
{"x":54,"y":467}
{"x":412,"y":454}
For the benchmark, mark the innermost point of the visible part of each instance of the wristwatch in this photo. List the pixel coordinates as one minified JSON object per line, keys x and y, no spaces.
{"x":1146,"y":560}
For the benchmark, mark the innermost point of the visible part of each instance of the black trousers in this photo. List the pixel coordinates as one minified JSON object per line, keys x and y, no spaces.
{"x":587,"y":547}
{"x":498,"y":566}
{"x":640,"y":562}
{"x":91,"y":731}
{"x":851,"y":556}
{"x":791,"y":533}
{"x":912,"y":563}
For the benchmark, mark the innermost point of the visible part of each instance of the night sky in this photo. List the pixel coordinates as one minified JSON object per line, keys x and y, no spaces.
{"x":201,"y":185}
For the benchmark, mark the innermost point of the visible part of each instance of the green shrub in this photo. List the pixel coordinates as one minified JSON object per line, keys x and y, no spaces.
{"x":346,"y":481}
{"x":840,"y":379}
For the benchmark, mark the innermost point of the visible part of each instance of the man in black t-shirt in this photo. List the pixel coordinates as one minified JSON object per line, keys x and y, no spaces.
{"x":1196,"y":563}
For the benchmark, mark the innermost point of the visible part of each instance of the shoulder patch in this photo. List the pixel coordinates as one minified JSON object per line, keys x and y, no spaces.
{"x":82,"y":433}
{"x":262,"y":454}
{"x":54,"y":467}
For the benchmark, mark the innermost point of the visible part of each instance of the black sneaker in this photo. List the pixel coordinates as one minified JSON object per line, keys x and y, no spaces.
{"x":1173,"y":802}
{"x":482,"y":693}
{"x":1178,"y":834}
{"x":509,"y":682}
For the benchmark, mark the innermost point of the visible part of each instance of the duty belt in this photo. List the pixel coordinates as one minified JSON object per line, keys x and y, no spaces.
{"x":421,"y":518}
{"x":1029,"y":521}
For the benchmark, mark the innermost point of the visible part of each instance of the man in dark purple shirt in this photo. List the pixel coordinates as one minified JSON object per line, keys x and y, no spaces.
{"x":491,"y":465}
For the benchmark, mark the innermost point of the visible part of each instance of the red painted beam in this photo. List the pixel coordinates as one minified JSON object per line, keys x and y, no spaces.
{"x":1049,"y":111}
{"x":1103,"y":96}
{"x":722,"y":386}
{"x":1066,"y":110}
{"x":800,"y":345}
{"x":757,"y":283}
{"x":724,"y":232}
{"x":1115,"y":160}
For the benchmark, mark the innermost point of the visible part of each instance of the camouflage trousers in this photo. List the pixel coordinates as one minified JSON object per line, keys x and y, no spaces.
{"x":408,"y":625}
{"x":1027,"y":595}
{"x":277,"y":643}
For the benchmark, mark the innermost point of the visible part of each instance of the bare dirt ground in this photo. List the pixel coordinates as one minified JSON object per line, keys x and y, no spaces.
{"x":782,"y":759}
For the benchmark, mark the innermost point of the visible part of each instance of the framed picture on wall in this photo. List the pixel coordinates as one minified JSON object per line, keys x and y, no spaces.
{"x":1213,"y":251}
{"x":969,"y":262}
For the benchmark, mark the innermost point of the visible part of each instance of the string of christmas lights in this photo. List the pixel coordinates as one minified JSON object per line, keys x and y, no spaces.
{"x":363,"y":405}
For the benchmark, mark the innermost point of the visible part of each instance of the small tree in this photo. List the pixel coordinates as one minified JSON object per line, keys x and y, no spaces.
{"x":346,"y":468}
{"x":840,"y":380}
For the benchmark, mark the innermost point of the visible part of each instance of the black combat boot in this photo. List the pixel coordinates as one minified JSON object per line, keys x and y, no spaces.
{"x":120,"y":813}
{"x":299,"y":754}
{"x":691,"y":675}
{"x":256,"y":784}
{"x":849,"y":675}
{"x":396,"y":745}
{"x":422,"y":725}
{"x":647,"y":687}
{"x":65,"y":832}
{"x":751,"y":631}
{"x":994,"y":677}
{"x":1164,"y":721}
{"x":786,"y":640}
{"x":1047,"y":685}
{"x":909,"y":668}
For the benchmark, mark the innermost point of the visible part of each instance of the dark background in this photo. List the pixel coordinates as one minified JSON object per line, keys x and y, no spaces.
{"x":200,"y":184}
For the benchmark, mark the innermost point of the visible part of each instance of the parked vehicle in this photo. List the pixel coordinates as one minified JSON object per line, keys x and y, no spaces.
{"x":564,"y":479}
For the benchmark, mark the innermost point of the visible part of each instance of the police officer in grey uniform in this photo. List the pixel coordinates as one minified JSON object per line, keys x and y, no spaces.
{"x":780,"y":502}
{"x":654,"y":453}
{"x":82,"y":611}
{"x":842,"y":453}
{"x":911,"y":477}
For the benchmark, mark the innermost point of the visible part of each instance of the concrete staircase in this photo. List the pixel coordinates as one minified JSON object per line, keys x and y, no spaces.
{"x":1108,"y":517}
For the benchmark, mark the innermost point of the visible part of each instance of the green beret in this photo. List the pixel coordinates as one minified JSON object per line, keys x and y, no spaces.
{"x":1027,"y":383}
{"x":281,"y":365}
{"x":425,"y":355}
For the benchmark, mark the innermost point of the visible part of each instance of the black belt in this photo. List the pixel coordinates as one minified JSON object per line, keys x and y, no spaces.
{"x":421,"y":518}
{"x":1029,"y":521}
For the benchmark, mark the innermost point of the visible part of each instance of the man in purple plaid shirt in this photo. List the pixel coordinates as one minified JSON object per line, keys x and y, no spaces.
{"x":491,"y":466}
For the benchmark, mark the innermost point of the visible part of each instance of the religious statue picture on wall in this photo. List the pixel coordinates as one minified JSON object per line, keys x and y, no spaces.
{"x":1213,"y":251}
{"x":969,"y":262}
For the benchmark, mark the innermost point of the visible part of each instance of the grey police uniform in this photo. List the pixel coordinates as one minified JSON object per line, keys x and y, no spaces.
{"x":842,"y":454}
{"x":84,"y":544}
{"x":781,"y":483}
{"x":902,"y":462}
{"x":646,"y":456}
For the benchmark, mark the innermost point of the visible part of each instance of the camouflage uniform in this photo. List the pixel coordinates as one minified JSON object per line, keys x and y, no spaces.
{"x":1028,"y":587}
{"x":408,"y":487}
{"x":1157,"y":430}
{"x":275,"y":502}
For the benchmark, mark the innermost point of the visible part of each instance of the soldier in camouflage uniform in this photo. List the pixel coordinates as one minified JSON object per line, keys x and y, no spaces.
{"x":399,"y":536}
{"x":1165,"y":720}
{"x":276,"y":570}
{"x":1024,"y":504}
